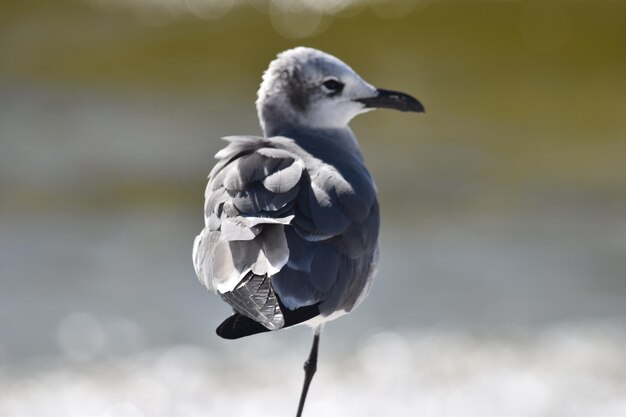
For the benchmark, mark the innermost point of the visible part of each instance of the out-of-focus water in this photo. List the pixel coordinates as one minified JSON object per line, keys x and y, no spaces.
{"x":475,"y":311}
{"x":557,"y":370}
{"x":501,"y":290}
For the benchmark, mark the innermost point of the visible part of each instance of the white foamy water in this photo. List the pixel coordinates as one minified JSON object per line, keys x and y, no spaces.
{"x":558,"y":370}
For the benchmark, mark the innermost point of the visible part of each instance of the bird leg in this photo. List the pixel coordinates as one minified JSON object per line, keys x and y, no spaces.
{"x":310,"y":366}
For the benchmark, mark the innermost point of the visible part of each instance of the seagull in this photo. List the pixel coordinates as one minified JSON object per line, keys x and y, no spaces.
{"x":291,"y":217}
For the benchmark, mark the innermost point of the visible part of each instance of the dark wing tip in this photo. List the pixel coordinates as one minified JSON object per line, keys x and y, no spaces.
{"x":237,"y":326}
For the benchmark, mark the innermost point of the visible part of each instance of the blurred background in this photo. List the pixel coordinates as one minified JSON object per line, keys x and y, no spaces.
{"x":502,"y":286}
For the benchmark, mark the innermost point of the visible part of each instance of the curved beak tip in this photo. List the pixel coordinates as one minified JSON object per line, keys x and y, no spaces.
{"x":388,"y":99}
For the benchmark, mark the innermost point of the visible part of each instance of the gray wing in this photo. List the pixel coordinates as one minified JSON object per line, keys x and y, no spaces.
{"x":282,"y":225}
{"x":248,"y":200}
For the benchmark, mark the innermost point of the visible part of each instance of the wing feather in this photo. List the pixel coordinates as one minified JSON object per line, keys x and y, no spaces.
{"x":283,"y":228}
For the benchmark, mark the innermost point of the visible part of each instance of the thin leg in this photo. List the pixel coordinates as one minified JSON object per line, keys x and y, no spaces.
{"x":310,"y":366}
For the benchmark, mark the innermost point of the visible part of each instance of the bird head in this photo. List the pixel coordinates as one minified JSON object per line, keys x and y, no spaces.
{"x":310,"y":88}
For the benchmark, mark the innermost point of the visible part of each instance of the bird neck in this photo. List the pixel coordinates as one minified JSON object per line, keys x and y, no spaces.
{"x":327,"y":144}
{"x":278,"y":115}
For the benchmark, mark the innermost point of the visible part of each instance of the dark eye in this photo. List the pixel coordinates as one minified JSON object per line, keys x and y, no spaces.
{"x":333,"y":85}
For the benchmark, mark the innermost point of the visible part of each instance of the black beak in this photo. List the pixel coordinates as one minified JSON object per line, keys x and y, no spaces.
{"x":387,"y":99}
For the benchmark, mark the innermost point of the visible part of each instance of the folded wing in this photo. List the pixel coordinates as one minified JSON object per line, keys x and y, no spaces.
{"x":279,"y":228}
